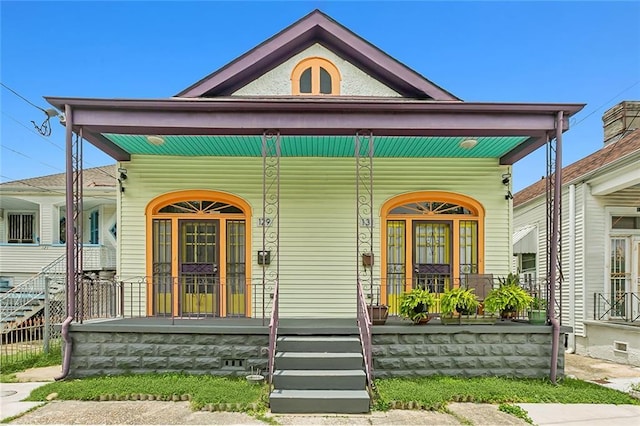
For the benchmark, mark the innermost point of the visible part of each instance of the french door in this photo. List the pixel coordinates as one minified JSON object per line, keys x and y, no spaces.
{"x":198,"y":262}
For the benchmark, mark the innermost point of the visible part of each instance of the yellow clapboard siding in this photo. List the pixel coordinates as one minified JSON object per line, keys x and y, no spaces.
{"x":318,"y":215}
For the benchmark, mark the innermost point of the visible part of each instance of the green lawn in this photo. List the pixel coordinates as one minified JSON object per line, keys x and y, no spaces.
{"x":435,"y":392}
{"x":237,"y":394}
{"x":432,"y":393}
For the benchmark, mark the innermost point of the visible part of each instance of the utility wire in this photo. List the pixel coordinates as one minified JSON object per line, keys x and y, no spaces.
{"x":49,"y":141}
{"x":31,"y":158}
{"x":605,"y":103}
{"x":22,"y":97}
{"x":32,"y":131}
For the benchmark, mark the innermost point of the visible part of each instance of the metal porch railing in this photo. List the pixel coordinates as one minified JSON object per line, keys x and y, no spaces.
{"x":273,"y":331}
{"x":438,"y":284}
{"x":364,"y":326}
{"x":173,"y":297}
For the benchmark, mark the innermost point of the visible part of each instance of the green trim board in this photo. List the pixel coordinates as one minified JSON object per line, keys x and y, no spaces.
{"x":318,"y":146}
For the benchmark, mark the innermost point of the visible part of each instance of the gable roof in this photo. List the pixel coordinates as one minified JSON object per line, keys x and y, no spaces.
{"x":603,"y":157}
{"x":95,"y":177}
{"x":316,"y":27}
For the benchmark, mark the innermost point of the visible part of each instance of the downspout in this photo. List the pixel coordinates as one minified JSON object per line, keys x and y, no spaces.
{"x":553,"y":271}
{"x":71,"y":273}
{"x":571,"y":344}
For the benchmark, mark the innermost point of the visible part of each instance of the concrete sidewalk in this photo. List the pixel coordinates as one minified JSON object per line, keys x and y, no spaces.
{"x":615,"y":376}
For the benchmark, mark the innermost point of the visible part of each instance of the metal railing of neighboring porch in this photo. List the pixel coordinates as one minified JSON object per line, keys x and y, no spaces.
{"x":273,"y":331}
{"x":616,"y":307}
{"x":364,"y":326}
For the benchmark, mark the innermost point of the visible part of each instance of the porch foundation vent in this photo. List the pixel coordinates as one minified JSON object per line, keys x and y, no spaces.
{"x":233,"y":363}
{"x":620,"y":346}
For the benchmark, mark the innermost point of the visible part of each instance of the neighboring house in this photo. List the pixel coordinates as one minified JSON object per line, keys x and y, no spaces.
{"x":600,"y":241}
{"x":32,"y":224}
{"x":270,"y":189}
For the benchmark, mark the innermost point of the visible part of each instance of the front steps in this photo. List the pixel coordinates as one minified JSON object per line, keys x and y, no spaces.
{"x":319,"y":374}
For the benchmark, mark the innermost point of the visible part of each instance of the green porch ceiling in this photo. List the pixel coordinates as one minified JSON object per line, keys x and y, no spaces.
{"x":318,"y":146}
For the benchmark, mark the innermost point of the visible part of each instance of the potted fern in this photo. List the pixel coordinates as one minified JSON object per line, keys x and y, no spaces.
{"x":414,"y":305}
{"x":509,"y":298}
{"x":459,"y":300}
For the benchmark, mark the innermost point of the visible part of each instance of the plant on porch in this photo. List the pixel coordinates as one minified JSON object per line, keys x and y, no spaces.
{"x":459,"y":300}
{"x":460,"y":305}
{"x":538,"y":311}
{"x":509,"y":298}
{"x":414,"y":305}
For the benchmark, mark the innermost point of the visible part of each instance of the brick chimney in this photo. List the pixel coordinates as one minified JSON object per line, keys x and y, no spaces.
{"x":620,"y":120}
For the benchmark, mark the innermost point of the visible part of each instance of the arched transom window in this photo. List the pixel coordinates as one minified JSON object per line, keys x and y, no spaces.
{"x":315,"y":76}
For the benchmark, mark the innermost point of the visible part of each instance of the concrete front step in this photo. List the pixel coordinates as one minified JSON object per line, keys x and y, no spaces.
{"x":318,"y":361}
{"x":319,"y":344}
{"x":319,"y":379}
{"x":319,"y":401}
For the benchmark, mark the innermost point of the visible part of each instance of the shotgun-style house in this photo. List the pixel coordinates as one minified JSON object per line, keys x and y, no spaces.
{"x":280,"y":195}
{"x":600,"y":241}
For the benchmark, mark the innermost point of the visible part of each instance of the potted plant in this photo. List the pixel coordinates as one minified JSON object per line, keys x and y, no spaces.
{"x":509,"y":298}
{"x":538,"y":311}
{"x":378,"y":314}
{"x":414,"y":305}
{"x":459,"y":299}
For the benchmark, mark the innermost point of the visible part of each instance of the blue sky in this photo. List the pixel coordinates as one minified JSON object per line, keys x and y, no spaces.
{"x":582,"y":52}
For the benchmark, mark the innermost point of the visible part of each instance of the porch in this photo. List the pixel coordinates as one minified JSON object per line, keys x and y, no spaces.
{"x":240,"y":346}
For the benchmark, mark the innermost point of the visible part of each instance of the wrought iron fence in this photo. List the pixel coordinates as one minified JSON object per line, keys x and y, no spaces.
{"x":617,"y":307}
{"x":27,"y":339}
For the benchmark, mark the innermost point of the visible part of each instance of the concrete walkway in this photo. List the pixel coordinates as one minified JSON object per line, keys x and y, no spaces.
{"x":616,"y":376}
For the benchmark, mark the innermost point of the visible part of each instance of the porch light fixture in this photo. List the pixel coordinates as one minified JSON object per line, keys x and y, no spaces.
{"x":468,"y":143}
{"x":155,"y":140}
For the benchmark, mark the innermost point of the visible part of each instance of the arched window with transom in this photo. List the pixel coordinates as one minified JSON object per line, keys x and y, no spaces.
{"x":315,"y":76}
{"x":430,"y":239}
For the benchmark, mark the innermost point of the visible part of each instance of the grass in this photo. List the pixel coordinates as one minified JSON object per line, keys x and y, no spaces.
{"x":54,"y":357}
{"x":434,"y":393}
{"x":516,"y":411}
{"x":237,"y":394}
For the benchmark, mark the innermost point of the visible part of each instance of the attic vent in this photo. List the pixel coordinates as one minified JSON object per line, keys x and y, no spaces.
{"x":620,"y":346}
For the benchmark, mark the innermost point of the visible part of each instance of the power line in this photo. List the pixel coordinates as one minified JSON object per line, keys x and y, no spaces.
{"x":31,"y":131}
{"x":22,"y":97}
{"x":606,"y":103}
{"x":30,"y":158}
{"x":49,"y":141}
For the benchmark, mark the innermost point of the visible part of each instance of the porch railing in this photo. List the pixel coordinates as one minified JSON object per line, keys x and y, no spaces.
{"x":364,"y":326}
{"x":620,"y":306}
{"x":172,"y":297}
{"x":438,"y":284}
{"x":273,"y":331}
